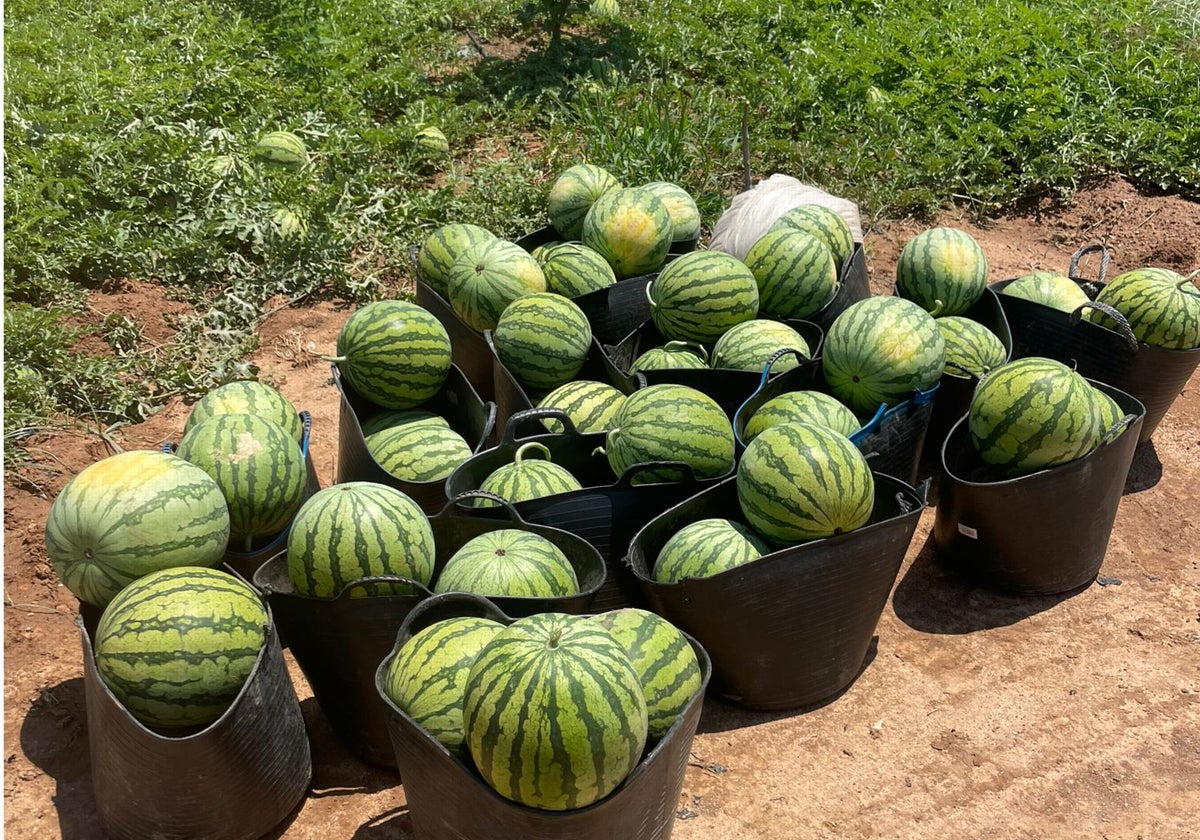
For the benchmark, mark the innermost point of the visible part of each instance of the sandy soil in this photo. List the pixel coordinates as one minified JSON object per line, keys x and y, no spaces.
{"x":977,"y":715}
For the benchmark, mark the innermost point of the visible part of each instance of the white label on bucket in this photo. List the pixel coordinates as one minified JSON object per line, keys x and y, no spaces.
{"x":968,"y":531}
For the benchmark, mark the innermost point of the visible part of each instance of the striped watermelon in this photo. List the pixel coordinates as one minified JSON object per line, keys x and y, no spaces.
{"x":1109,"y":412}
{"x":748,"y":346}
{"x":663,"y":659}
{"x":418,"y":452}
{"x":131,"y":514}
{"x":541,"y":252}
{"x":572,"y":269}
{"x":879,"y":350}
{"x":431,"y":143}
{"x":700,"y":295}
{"x":509,"y":562}
{"x":442,"y":247}
{"x":177,"y":645}
{"x":247,"y":397}
{"x":1033,"y":413}
{"x":798,"y":482}
{"x":401,"y":417}
{"x":681,"y":207}
{"x":543,"y":339}
{"x":487,"y":277}
{"x":259,"y":467}
{"x":1045,"y":287}
{"x":572,"y":194}
{"x":824,"y":223}
{"x":354,"y":530}
{"x":528,"y":477}
{"x":394,"y":353}
{"x":590,"y":405}
{"x":943,"y":270}
{"x":795,"y":272}
{"x":631,"y":229}
{"x":428,"y":675}
{"x":554,"y":713}
{"x":705,"y":548}
{"x":1162,"y":307}
{"x":282,"y":148}
{"x":670,"y":422}
{"x":970,"y":346}
{"x":674,"y":355}
{"x":814,"y":407}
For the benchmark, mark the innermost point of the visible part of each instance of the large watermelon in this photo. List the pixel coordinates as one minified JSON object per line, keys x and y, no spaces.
{"x":573,"y":269}
{"x":681,"y":207}
{"x":700,"y":295}
{"x":131,"y":514}
{"x":441,"y":248}
{"x":750,"y":344}
{"x":802,"y":407}
{"x":543,"y":339}
{"x":879,"y":350}
{"x":631,"y":229}
{"x":488,"y":276}
{"x":247,"y":397}
{"x":670,"y":422}
{"x":509,"y":562}
{"x":418,"y":452}
{"x":1049,"y":289}
{"x":798,"y":482}
{"x":589,"y":404}
{"x":943,"y":270}
{"x":394,"y":353}
{"x":795,"y":272}
{"x":177,"y":645}
{"x":705,"y":548}
{"x":554,"y":713}
{"x":971,"y":348}
{"x":824,"y":223}
{"x":528,"y":477}
{"x":1162,"y":307}
{"x":354,"y":530}
{"x":572,"y":194}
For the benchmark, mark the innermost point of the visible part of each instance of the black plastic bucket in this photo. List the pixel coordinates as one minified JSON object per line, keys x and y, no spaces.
{"x":1040,"y":534}
{"x":338,"y":642}
{"x":448,"y":800}
{"x":457,"y":401}
{"x":236,"y":779}
{"x":794,"y":627}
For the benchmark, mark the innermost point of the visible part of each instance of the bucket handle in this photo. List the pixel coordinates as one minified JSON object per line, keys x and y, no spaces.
{"x":456,"y":506}
{"x":1090,"y":286}
{"x":529,"y":415}
{"x":448,"y":605}
{"x":1122,"y":329}
{"x":1115,"y":429}
{"x":419,"y":588}
{"x":686,"y":474}
{"x":414,"y":250}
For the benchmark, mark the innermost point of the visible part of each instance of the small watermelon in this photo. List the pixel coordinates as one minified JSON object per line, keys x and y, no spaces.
{"x":487,"y":276}
{"x":418,"y":452}
{"x":795,"y":272}
{"x":700,"y":295}
{"x":943,"y":270}
{"x":247,"y":397}
{"x":750,"y":344}
{"x":441,"y":248}
{"x":1109,"y":412}
{"x":971,"y":348}
{"x":674,"y":355}
{"x":572,"y":269}
{"x":590,"y":405}
{"x":1048,"y":288}
{"x":705,"y":548}
{"x":509,"y":562}
{"x":528,"y":477}
{"x":1161,"y":306}
{"x":572,"y":194}
{"x":543,"y":339}
{"x":802,"y":407}
{"x":282,"y":148}
{"x":431,"y":144}
{"x":681,"y":207}
{"x":630,"y":228}
{"x":823,"y":222}
{"x":670,"y":422}
{"x":401,"y":417}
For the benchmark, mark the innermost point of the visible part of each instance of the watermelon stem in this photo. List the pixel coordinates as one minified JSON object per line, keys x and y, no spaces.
{"x":1184,"y":281}
{"x":337,"y":360}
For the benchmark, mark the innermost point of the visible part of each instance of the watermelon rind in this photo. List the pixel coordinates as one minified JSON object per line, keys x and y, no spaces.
{"x":674,"y":355}
{"x":823,"y":222}
{"x":681,"y":207}
{"x":572,"y":269}
{"x":282,"y":148}
{"x":795,"y":272}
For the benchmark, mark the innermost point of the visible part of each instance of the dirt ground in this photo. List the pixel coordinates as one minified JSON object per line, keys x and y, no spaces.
{"x":977,"y":715}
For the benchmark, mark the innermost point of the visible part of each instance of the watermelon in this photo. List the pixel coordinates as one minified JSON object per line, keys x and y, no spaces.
{"x":824,"y":223}
{"x":805,"y":407}
{"x":750,"y":344}
{"x":795,"y":273}
{"x":943,"y":270}
{"x":131,"y":514}
{"x":631,"y":228}
{"x":487,"y":276}
{"x":176,"y":645}
{"x":572,"y":269}
{"x":509,"y":562}
{"x":590,"y":405}
{"x":799,"y":482}
{"x":441,"y":248}
{"x":541,"y":252}
{"x":663,"y":659}
{"x":1048,"y":288}
{"x":354,"y":530}
{"x":700,"y":295}
{"x":572,"y":194}
{"x":681,"y":207}
{"x":1162,"y":307}
{"x":282,"y":148}
{"x":705,"y":548}
{"x":669,"y":422}
{"x":431,"y":143}
{"x":1109,"y":412}
{"x":543,"y":339}
{"x":418,"y":452}
{"x":554,"y":713}
{"x":674,"y":355}
{"x":879,"y":350}
{"x":427,"y":676}
{"x":604,"y":9}
{"x":401,"y":417}
{"x":1033,"y":413}
{"x":528,"y":477}
{"x":971,"y":348}
{"x":394,"y":353}
{"x":247,"y":397}
{"x":259,"y":467}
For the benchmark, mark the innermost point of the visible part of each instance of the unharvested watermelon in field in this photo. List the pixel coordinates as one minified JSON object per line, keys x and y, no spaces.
{"x":531,"y":475}
{"x":670,"y":422}
{"x":131,"y":514}
{"x":685,"y":215}
{"x":802,"y":407}
{"x":750,"y":344}
{"x":282,"y":148}
{"x":971,"y":348}
{"x":631,"y":229}
{"x":700,"y":295}
{"x":1161,"y":306}
{"x":824,"y":223}
{"x":394,"y":353}
{"x":572,"y":269}
{"x":247,"y":397}
{"x":431,"y":144}
{"x":705,"y":548}
{"x":590,"y":405}
{"x":418,"y":452}
{"x":879,"y":350}
{"x":177,"y":645}
{"x":674,"y":355}
{"x":354,"y":530}
{"x":509,"y":562}
{"x":554,"y":713}
{"x":441,"y":248}
{"x":427,"y":677}
{"x":1049,"y":289}
{"x":798,"y":482}
{"x":543,"y":339}
{"x":572,"y":194}
{"x":943,"y":270}
{"x":795,"y":272}
{"x":1033,"y":413}
{"x":487,"y":277}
